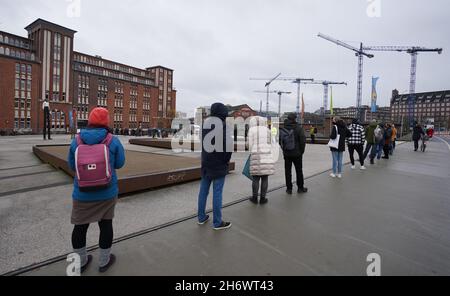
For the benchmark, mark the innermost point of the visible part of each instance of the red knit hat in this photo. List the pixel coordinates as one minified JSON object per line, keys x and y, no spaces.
{"x":99,"y":117}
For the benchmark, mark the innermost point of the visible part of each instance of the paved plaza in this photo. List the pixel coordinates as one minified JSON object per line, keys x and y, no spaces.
{"x":399,"y":209}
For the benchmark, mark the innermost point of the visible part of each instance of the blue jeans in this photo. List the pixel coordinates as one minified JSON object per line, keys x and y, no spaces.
{"x":337,"y":161}
{"x":379,"y":149}
{"x":217,"y":199}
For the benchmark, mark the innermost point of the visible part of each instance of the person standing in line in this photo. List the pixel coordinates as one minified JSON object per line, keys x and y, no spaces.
{"x":379,"y":140}
{"x":387,"y":140}
{"x":293,"y":143}
{"x":262,"y":160}
{"x":312,"y":133}
{"x":417,"y":134}
{"x":47,"y":127}
{"x":339,"y":128}
{"x":371,"y":143}
{"x":214,"y":166}
{"x":356,"y":142}
{"x":97,"y":204}
{"x":394,"y":139}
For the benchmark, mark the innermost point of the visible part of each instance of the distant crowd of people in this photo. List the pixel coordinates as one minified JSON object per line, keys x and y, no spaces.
{"x":379,"y":140}
{"x":140,"y":132}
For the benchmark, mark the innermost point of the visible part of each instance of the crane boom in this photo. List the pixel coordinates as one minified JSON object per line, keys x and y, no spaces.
{"x":413,"y":51}
{"x":360,"y":53}
{"x":325,"y":84}
{"x":343,"y":44}
{"x":408,"y":49}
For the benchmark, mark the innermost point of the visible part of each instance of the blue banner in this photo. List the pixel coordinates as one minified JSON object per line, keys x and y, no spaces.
{"x":71,"y":119}
{"x":374,"y":94}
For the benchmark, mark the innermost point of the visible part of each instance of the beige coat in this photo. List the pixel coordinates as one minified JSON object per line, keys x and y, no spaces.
{"x":262,"y":159}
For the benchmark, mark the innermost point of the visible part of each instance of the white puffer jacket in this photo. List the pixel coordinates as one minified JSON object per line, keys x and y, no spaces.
{"x":262,"y":159}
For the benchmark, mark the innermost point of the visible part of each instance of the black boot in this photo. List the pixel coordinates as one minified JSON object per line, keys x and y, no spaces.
{"x":263,"y":200}
{"x":302,"y":190}
{"x":254,"y":199}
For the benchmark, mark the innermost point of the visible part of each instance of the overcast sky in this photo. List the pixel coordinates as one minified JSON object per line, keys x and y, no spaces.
{"x":215,"y":46}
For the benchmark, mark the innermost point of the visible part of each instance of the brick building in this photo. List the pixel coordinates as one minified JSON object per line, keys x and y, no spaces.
{"x":383,"y":114}
{"x":426,"y":107}
{"x":44,"y":65}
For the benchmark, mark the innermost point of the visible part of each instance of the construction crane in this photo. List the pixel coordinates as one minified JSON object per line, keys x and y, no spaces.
{"x":325,"y":84}
{"x":280,"y":93}
{"x":413,"y":51}
{"x":360,"y":53}
{"x":295,"y":80}
{"x":267,"y":85}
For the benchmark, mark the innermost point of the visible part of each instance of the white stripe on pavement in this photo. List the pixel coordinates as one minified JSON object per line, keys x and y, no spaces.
{"x":448,"y":145}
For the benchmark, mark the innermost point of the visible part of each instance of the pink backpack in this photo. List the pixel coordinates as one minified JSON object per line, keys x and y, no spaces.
{"x":92,"y":164}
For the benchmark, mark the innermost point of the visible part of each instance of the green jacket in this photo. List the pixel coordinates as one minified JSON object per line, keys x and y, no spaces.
{"x":370,"y":133}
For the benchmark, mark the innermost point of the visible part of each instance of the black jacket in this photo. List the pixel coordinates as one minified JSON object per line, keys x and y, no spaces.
{"x":215,"y":164}
{"x":417,"y":132}
{"x":300,"y":139}
{"x":344,"y":132}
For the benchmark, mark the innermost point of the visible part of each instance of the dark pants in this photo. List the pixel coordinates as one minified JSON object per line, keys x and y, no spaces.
{"x":297,"y":161}
{"x":106,"y":235}
{"x":359,"y":149}
{"x":386,"y":150}
{"x":416,"y":145}
{"x":373,"y":150}
{"x":47,"y":122}
{"x":313,"y":139}
{"x":264,"y":185}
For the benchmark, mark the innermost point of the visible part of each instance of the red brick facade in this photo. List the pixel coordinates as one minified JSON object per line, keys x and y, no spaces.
{"x":78,"y":82}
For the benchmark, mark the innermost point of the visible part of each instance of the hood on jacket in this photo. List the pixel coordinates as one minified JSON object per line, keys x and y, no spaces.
{"x":373,"y":124}
{"x":92,"y":136}
{"x":219,"y":110}
{"x":291,"y":121}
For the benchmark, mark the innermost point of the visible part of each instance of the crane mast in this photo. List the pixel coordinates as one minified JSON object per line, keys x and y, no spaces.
{"x":413,"y":51}
{"x":360,"y":53}
{"x":326,"y":85}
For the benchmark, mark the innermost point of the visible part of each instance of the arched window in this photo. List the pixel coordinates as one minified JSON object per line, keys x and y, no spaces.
{"x":1,"y":38}
{"x":2,"y":50}
{"x":7,"y":51}
{"x":6,"y":39}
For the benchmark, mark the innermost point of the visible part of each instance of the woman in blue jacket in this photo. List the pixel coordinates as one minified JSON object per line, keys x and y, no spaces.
{"x":99,"y":205}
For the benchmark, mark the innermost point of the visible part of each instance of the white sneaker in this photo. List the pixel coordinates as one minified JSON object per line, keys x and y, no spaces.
{"x":332,"y":175}
{"x":339,"y":176}
{"x":353,"y":167}
{"x":363,"y":168}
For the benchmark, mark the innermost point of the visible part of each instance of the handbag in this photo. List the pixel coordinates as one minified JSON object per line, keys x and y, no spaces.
{"x":334,"y":143}
{"x":246,"y":170}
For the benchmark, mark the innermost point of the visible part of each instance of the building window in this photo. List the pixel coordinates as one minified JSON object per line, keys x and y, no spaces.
{"x":22,"y":100}
{"x":56,"y":67}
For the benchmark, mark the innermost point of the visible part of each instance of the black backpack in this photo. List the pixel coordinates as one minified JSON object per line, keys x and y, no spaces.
{"x":287,"y":139}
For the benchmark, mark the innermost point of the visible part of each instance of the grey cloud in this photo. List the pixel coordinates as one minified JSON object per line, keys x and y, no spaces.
{"x":216,"y":46}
